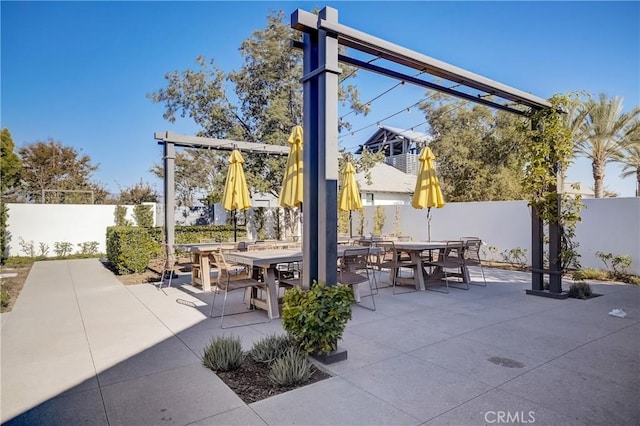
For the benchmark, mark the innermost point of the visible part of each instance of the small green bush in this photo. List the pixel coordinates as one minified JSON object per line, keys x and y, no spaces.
{"x":18,"y":261}
{"x":292,"y":369}
{"x":129,"y":249}
{"x":88,"y":248}
{"x":223,"y":354}
{"x":580,"y":290}
{"x":143,"y":215}
{"x":119,"y":216}
{"x":270,"y":348}
{"x":590,"y":274}
{"x":316,"y":318}
{"x":634,"y":279}
{"x":4,"y":298}
{"x":62,"y":248}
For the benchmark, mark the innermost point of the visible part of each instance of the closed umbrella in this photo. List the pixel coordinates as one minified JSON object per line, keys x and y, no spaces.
{"x":350,"y":195}
{"x":236,"y":193}
{"x":291,"y":192}
{"x":427,"y":193}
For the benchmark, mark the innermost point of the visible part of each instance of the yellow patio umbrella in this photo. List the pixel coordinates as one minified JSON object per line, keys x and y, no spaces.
{"x":349,"y":194}
{"x":427,"y":193}
{"x":236,"y":193}
{"x":291,"y":192}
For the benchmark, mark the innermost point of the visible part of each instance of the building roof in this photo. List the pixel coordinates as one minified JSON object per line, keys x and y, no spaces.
{"x":386,"y":178}
{"x":393,"y":141}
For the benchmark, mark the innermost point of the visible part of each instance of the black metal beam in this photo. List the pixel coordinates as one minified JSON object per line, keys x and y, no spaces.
{"x":427,"y":84}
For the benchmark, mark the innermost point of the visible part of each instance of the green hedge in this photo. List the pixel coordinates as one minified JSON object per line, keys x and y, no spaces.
{"x":197,"y":233}
{"x":130,"y":248}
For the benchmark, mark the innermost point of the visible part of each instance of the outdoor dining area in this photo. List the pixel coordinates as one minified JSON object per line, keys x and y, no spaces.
{"x":265,"y":269}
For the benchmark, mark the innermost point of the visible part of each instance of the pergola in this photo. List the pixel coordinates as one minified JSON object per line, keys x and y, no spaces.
{"x":322,"y":36}
{"x":172,"y":140}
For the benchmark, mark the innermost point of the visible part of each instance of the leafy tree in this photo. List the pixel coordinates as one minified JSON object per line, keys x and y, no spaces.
{"x":11,"y":169}
{"x":606,"y":135}
{"x":478,"y":150}
{"x":631,"y":159}
{"x":138,"y":193}
{"x":269,"y":104}
{"x":10,"y":165}
{"x":51,"y":165}
{"x":196,"y":171}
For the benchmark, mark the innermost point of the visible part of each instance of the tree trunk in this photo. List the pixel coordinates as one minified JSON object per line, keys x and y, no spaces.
{"x":598,"y":177}
{"x":638,"y":182}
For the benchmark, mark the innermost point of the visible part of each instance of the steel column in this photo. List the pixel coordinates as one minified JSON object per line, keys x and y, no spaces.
{"x":328,"y":150}
{"x":310,"y":161}
{"x":169,"y":201}
{"x":537,"y":234}
{"x":320,"y":152}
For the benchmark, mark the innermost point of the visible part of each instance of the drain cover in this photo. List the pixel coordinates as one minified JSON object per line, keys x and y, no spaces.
{"x":506,"y":362}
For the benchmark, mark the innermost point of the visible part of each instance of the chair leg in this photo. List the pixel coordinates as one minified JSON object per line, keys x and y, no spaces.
{"x":371,"y":294}
{"x":446,"y":284}
{"x":455,"y":286}
{"x":222,"y":315}
{"x":484,"y":279}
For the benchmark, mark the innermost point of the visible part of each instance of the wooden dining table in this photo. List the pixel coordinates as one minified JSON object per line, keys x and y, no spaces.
{"x":200,"y":259}
{"x":268,"y":261}
{"x":424,"y":277}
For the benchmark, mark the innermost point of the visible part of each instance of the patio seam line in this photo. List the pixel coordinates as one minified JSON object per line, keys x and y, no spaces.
{"x":145,"y":375}
{"x":227,"y":411}
{"x":86,"y":336}
{"x":377,"y":397}
{"x":162,"y":322}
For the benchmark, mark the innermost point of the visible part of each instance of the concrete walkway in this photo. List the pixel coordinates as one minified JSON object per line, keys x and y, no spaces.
{"x":81,"y":348}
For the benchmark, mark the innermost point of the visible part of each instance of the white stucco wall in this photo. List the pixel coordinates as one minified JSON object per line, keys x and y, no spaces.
{"x":608,"y":225}
{"x":51,"y":223}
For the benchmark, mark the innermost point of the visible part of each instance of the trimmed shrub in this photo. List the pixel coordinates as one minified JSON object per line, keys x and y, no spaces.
{"x":316,"y":318}
{"x":223,"y":354}
{"x":129,"y":249}
{"x":143,"y":215}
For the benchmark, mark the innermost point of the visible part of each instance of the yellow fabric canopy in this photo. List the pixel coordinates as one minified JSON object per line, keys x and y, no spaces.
{"x":236,"y":192}
{"x":349,"y":194}
{"x":291,"y":192}
{"x":427,"y":193}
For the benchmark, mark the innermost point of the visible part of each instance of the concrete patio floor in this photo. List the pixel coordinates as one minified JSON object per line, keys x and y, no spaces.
{"x":81,"y":348}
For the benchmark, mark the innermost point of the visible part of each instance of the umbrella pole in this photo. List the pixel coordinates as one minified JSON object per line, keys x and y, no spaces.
{"x":350,"y":226}
{"x":235,"y":226}
{"x":429,"y":224}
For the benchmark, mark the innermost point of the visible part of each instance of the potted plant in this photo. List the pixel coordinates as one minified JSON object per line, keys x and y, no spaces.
{"x":316,"y":318}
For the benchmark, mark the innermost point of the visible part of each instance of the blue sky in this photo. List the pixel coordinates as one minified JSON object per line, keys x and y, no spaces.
{"x":79,"y":72}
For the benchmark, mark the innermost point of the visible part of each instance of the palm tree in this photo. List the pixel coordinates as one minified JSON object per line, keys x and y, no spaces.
{"x":575,"y":120}
{"x":607,"y":133}
{"x":631,"y":159}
